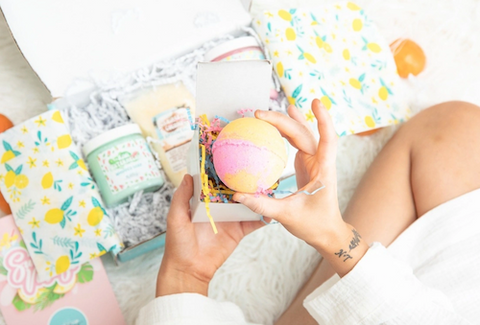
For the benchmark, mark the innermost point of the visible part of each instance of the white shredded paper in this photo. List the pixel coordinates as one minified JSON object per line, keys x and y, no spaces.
{"x":144,"y":215}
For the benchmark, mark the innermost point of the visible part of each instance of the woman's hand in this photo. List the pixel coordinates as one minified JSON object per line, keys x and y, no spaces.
{"x":314,"y":218}
{"x":193,"y":253}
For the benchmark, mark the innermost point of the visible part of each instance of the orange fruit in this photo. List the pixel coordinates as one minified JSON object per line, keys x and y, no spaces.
{"x":4,"y":205}
{"x":369,"y":132}
{"x":409,"y":57}
{"x":5,"y":124}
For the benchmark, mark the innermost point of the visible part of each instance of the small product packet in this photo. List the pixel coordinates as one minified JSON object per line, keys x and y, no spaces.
{"x":54,"y":200}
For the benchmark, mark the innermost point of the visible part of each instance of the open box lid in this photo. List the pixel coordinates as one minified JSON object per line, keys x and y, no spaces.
{"x":223,"y":88}
{"x":67,"y":43}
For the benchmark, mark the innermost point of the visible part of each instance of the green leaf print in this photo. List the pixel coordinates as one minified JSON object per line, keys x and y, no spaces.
{"x":86,"y":273}
{"x":297,"y":91}
{"x":8,"y":167}
{"x":74,"y":156}
{"x":47,"y":298}
{"x":19,"y":304}
{"x":3,"y":270}
{"x":7,"y":146}
{"x":67,"y":203}
{"x":65,"y":242}
{"x":73,"y":166}
{"x":25,"y":209}
{"x":101,"y":248}
{"x":18,"y":171}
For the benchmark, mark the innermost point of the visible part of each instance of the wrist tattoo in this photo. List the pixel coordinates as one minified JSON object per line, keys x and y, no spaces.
{"x":353,"y":244}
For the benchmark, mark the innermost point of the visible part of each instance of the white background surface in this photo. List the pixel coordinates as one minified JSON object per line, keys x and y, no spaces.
{"x":268,"y":267}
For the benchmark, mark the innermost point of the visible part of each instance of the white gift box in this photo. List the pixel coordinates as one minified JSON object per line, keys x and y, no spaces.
{"x":70,"y":44}
{"x":223,"y":88}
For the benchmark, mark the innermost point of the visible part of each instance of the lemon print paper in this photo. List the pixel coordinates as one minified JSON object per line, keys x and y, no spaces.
{"x":54,"y":200}
{"x":334,"y":53}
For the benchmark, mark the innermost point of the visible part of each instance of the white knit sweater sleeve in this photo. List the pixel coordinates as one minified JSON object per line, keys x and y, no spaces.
{"x":190,"y":309}
{"x":380,"y":290}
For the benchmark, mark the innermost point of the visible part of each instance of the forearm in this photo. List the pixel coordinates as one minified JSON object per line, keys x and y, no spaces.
{"x":342,"y":246}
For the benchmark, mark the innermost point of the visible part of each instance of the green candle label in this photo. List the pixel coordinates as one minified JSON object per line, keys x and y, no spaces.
{"x":127,"y":164}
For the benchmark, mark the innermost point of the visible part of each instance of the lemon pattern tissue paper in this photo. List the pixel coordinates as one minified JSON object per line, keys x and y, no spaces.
{"x":55,"y":202}
{"x":334,"y":53}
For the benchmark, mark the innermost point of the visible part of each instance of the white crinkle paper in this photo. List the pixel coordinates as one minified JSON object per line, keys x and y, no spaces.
{"x":144,"y":215}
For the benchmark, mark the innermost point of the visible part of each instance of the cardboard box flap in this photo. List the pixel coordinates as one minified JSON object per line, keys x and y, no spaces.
{"x":223,"y":88}
{"x":73,"y":41}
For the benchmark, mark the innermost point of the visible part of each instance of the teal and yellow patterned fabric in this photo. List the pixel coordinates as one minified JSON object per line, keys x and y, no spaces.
{"x":337,"y":54}
{"x":55,"y":202}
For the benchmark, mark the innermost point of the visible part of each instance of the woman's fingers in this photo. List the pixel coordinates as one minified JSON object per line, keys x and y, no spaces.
{"x":327,"y":146}
{"x":297,"y":134}
{"x":262,"y":204}
{"x":294,"y":113}
{"x":179,"y":213}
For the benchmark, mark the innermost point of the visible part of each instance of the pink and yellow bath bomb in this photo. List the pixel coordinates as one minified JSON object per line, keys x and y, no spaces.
{"x":249,"y":155}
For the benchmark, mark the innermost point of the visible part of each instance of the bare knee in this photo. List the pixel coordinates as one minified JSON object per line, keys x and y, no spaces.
{"x":445,"y":122}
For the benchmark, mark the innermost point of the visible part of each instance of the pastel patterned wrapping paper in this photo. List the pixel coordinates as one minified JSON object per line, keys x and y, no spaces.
{"x":335,"y":53}
{"x":55,"y":202}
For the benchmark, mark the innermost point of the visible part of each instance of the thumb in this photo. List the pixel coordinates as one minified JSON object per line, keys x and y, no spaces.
{"x":180,"y":207}
{"x":261,"y":204}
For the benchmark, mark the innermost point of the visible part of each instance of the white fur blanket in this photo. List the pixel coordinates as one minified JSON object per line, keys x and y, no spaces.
{"x":269,"y":266}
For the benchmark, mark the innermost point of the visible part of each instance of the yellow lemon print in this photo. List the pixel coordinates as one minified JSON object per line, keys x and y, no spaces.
{"x":309,"y":57}
{"x":357,"y":24}
{"x":319,"y":42}
{"x":31,"y":299}
{"x":291,"y":100}
{"x":369,"y":121}
{"x":280,"y":69}
{"x":346,"y":54}
{"x":374,"y":47}
{"x":54,"y":216}
{"x":383,"y":93}
{"x":66,"y":288}
{"x":327,"y":47}
{"x":7,"y":156}
{"x":62,"y":264}
{"x":81,"y":164}
{"x":47,"y":180}
{"x":57,"y":117}
{"x":326,"y":102}
{"x":285,"y":15}
{"x":353,"y":6}
{"x":290,"y":34}
{"x":95,"y":216}
{"x":21,"y":181}
{"x":10,"y":178}
{"x":355,"y":83}
{"x":64,"y":141}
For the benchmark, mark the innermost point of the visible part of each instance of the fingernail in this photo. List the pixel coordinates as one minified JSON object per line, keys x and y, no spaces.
{"x":239,"y":198}
{"x":184,"y":181}
{"x":260,"y":113}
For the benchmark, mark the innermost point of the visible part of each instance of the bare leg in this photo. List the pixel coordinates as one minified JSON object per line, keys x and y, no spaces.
{"x":433,"y":158}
